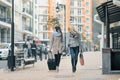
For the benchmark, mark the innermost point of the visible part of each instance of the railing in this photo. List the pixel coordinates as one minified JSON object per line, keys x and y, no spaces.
{"x":7,"y":20}
{"x":27,"y":11}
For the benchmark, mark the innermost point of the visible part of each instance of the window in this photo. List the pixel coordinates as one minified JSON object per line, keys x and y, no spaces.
{"x":72,"y":19}
{"x":87,"y":27}
{"x":79,"y":20}
{"x":45,"y":36}
{"x":39,"y":18}
{"x":71,"y":3}
{"x":2,"y":35}
{"x":87,"y":3}
{"x":45,"y":11}
{"x":79,"y":3}
{"x":79,"y":11}
{"x":79,"y":28}
{"x":45,"y":27}
{"x":35,"y":16}
{"x":72,"y":12}
{"x":44,"y":19}
{"x":36,"y":1}
{"x":87,"y":11}
{"x":87,"y":19}
{"x":2,"y":12}
{"x":87,"y":35}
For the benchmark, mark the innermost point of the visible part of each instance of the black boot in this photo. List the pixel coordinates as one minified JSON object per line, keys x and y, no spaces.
{"x":73,"y":69}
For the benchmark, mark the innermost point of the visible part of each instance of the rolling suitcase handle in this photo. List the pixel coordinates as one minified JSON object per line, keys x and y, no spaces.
{"x":50,"y":55}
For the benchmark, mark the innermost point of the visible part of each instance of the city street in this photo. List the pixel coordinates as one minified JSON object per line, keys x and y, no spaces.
{"x":31,"y":29}
{"x":90,"y":71}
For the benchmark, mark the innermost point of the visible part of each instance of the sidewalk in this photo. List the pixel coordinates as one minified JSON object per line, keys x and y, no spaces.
{"x":90,"y":71}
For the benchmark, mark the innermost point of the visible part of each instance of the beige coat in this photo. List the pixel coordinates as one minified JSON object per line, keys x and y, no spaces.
{"x":56,"y":45}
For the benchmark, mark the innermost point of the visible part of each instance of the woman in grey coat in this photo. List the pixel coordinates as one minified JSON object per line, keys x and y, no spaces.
{"x":56,"y":44}
{"x":74,"y":44}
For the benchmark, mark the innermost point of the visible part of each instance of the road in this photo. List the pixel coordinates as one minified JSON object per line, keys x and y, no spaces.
{"x":3,"y":64}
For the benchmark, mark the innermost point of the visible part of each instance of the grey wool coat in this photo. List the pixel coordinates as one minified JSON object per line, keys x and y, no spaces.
{"x":56,"y":45}
{"x":74,"y":40}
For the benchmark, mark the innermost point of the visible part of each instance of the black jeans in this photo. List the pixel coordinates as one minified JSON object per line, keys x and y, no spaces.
{"x":34,"y":54}
{"x":57,"y":59}
{"x":40,"y":55}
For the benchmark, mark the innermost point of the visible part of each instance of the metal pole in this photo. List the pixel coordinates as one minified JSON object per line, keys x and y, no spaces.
{"x":65,"y":24}
{"x":107,"y":27}
{"x":102,"y":30}
{"x":12,"y":39}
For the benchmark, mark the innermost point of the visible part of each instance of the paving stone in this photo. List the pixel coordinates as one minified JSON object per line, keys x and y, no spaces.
{"x":90,"y":79}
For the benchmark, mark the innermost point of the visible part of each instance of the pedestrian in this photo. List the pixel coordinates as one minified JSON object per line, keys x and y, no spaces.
{"x":74,"y":44}
{"x":29,"y":49}
{"x":45,"y":52}
{"x":56,"y":44}
{"x":40,"y":53}
{"x":25,"y":49}
{"x":34,"y":48}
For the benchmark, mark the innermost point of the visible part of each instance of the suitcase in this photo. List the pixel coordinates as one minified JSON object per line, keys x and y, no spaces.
{"x":51,"y":62}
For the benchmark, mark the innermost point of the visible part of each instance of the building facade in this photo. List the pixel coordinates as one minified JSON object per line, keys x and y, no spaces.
{"x":47,"y":9}
{"x":24,"y":20}
{"x":79,"y":15}
{"x":5,"y":20}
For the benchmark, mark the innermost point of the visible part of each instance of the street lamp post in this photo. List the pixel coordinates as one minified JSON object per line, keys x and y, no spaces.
{"x":65,"y":24}
{"x":57,"y":10}
{"x":107,"y":27}
{"x":12,"y":39}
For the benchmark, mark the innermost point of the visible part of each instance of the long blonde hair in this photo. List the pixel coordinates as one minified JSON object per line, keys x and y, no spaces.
{"x":71,"y":29}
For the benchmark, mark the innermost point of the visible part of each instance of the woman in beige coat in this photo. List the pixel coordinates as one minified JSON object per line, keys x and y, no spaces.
{"x":56,"y":44}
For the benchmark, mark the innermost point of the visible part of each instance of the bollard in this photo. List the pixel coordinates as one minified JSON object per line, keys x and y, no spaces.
{"x":10,"y":61}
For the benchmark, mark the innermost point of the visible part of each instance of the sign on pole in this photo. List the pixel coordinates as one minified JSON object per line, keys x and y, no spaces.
{"x":116,"y":2}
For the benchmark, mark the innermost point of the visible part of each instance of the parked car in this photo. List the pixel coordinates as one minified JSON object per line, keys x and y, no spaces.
{"x":5,"y":47}
{"x":4,"y":50}
{"x":19,"y":45}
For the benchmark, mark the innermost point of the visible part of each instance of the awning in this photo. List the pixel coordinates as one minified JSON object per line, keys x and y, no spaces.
{"x":113,"y":12}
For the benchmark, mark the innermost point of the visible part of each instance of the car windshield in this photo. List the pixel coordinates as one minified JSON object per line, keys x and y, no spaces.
{"x":19,"y":45}
{"x":3,"y":46}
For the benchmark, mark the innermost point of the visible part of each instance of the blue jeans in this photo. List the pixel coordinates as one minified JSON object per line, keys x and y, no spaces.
{"x":74,"y":55}
{"x":25,"y":53}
